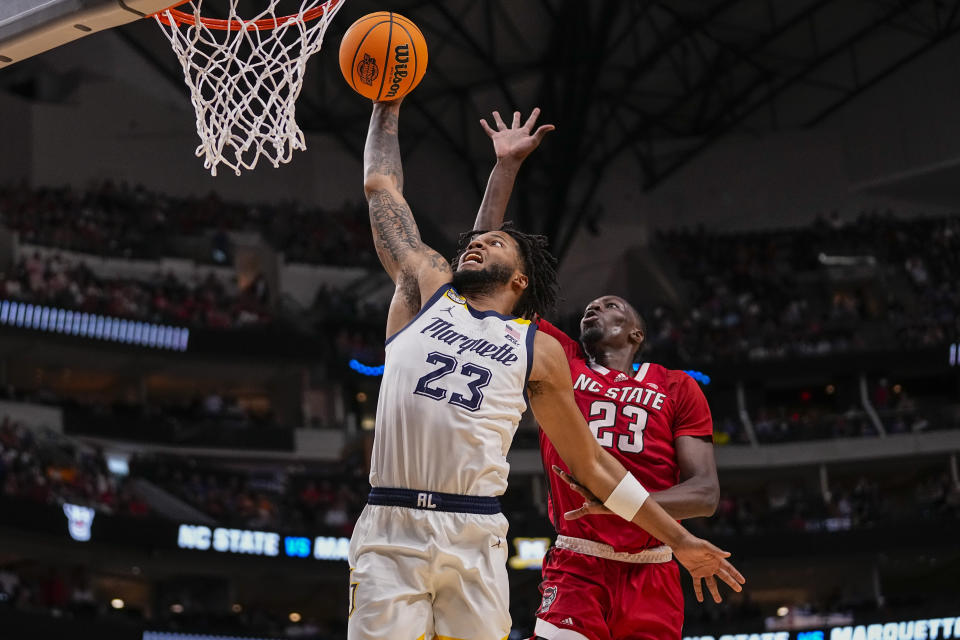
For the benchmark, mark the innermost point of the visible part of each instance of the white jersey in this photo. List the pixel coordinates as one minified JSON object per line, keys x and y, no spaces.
{"x":452,"y":394}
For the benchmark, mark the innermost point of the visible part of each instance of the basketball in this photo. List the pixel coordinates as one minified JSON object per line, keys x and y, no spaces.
{"x":383,"y":56}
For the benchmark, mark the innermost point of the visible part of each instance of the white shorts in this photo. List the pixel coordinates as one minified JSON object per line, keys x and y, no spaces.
{"x":417,"y":574}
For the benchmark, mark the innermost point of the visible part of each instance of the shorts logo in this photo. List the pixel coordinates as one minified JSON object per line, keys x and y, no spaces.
{"x":425,"y":501}
{"x":549,"y":595}
{"x":367,"y":70}
{"x":456,"y":297}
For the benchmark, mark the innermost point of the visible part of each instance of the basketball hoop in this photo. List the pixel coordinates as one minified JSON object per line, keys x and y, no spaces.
{"x":245,"y":76}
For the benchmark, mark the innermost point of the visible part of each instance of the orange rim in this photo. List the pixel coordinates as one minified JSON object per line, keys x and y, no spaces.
{"x":180,"y":17}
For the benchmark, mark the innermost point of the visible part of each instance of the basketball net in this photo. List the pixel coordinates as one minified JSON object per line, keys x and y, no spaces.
{"x":245,"y":76}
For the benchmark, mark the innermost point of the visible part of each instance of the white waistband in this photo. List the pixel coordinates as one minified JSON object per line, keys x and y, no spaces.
{"x":656,"y":555}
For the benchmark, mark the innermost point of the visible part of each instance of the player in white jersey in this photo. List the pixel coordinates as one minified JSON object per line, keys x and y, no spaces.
{"x":428,"y":555}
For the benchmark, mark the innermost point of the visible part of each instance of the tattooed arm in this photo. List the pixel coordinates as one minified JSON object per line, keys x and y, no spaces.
{"x":416,"y":269}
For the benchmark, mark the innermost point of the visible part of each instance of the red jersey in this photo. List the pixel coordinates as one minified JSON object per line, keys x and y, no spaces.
{"x":636,"y":418}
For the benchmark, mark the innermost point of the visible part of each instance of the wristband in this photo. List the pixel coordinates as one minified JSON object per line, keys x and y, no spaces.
{"x":627,"y":498}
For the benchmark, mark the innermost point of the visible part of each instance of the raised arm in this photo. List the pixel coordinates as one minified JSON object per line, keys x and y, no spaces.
{"x":551,"y":398}
{"x":416,"y":269}
{"x":512,"y":145}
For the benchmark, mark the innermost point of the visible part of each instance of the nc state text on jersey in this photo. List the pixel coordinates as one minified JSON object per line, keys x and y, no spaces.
{"x":443,"y":331}
{"x":636,"y":395}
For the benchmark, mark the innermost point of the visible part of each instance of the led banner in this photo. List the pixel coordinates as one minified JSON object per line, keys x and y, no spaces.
{"x":91,"y":325}
{"x":924,"y":629}
{"x":529,"y":551}
{"x":85,"y":526}
{"x":261,"y":543}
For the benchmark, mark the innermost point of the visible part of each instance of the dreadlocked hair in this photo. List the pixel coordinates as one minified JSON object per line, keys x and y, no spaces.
{"x":539,"y":265}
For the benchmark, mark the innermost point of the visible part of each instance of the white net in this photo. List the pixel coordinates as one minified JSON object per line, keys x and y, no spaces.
{"x":244,"y":81}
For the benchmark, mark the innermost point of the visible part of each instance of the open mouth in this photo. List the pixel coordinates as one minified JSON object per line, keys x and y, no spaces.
{"x":474,"y":257}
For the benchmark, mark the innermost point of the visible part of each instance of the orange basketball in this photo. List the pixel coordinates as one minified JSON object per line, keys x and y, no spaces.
{"x":383,"y":56}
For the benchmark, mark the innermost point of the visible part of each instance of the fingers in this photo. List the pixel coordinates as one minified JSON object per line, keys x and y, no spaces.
{"x":698,"y":589}
{"x":499,"y":121}
{"x":576,"y":486}
{"x":735,"y":577}
{"x":566,"y":477}
{"x":542,"y":131}
{"x":588,"y":509}
{"x":576,"y":514}
{"x":712,"y":586}
{"x":731,"y":581}
{"x":583,"y":492}
{"x":486,"y":128}
{"x":532,"y":120}
{"x":516,"y":120}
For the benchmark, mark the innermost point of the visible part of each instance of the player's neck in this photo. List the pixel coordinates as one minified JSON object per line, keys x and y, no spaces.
{"x":491,"y":302}
{"x":611,"y":358}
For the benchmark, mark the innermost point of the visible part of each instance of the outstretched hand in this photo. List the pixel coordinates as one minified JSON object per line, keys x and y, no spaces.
{"x":516,"y":142}
{"x":703,"y":560}
{"x":706,"y":562}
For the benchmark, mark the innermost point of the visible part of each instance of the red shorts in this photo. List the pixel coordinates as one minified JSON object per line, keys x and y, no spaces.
{"x":604,"y":599}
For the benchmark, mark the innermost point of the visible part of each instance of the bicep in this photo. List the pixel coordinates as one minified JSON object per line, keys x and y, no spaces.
{"x":695,"y":458}
{"x":560,"y":418}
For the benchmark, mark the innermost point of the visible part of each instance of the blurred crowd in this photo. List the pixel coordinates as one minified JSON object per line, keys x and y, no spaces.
{"x":210,"y":302}
{"x":88,"y":595}
{"x":126,"y":221}
{"x":879,"y":282}
{"x":328,"y":500}
{"x":46,"y":469}
{"x":854,"y":503}
{"x":28,"y":586}
{"x":810,"y":423}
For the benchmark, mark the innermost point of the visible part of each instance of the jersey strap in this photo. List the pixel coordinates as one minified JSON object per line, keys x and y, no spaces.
{"x":433,"y":501}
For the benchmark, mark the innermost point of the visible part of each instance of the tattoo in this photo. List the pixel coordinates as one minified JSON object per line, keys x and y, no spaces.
{"x":409,"y":290}
{"x":382,"y":155}
{"x":439,"y":263}
{"x":395,"y":233}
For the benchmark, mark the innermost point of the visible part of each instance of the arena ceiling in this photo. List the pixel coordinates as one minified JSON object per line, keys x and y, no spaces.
{"x":653,"y":82}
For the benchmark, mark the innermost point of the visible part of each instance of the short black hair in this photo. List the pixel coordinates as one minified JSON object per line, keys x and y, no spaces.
{"x":641,"y":322}
{"x":542,"y":292}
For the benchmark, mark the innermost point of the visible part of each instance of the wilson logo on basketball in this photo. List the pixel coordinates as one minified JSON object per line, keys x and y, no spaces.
{"x":401,"y":57}
{"x":367,"y":69}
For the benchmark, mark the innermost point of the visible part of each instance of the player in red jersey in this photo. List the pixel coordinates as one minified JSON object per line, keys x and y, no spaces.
{"x":604,"y":579}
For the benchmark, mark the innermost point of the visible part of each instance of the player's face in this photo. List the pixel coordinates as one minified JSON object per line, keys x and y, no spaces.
{"x":490,"y":250}
{"x":490,"y":261}
{"x":606,"y":319}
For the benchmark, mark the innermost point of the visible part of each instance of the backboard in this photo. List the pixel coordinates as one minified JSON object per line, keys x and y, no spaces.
{"x":29,"y":27}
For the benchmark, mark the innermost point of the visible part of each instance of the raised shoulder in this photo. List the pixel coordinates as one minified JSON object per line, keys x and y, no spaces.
{"x":549,"y":363}
{"x":570,"y":346}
